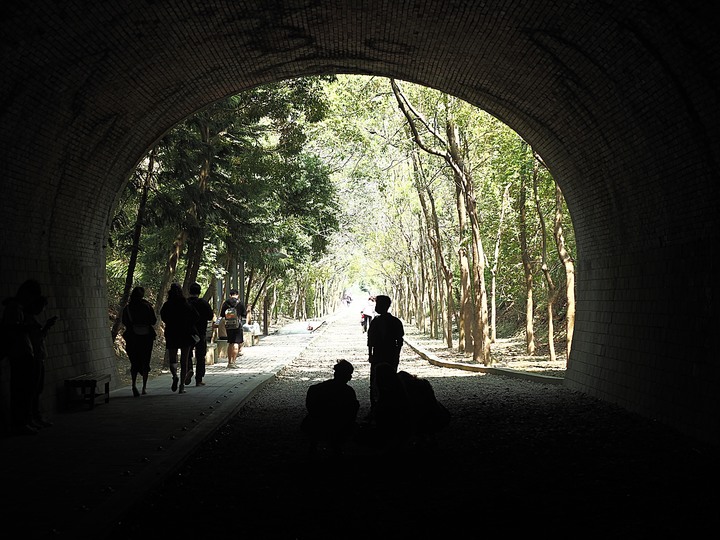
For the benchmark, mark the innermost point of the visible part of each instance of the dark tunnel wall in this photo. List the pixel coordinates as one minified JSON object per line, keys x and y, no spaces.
{"x":619,"y":97}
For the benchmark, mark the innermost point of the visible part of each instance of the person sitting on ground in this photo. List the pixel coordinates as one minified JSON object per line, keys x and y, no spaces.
{"x":332,"y":408}
{"x":407,"y":412}
{"x":428,"y":415}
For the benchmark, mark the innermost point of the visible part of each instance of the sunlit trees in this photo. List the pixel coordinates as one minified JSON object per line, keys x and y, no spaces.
{"x":303,"y":189}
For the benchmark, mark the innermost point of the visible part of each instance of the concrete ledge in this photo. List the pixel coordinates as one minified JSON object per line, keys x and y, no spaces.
{"x":505,"y":372}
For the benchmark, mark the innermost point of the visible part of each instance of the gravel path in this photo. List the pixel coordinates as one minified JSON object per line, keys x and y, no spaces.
{"x":517,"y":457}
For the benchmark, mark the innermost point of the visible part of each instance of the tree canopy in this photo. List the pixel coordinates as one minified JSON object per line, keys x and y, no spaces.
{"x":307,"y":188}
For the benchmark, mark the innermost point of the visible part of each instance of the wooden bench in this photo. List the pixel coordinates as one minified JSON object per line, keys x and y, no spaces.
{"x":88,"y":384}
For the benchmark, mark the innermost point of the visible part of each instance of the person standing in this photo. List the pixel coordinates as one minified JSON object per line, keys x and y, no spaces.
{"x":38,"y":333}
{"x":233,"y":313}
{"x":332,"y":408}
{"x":368,"y":312}
{"x":139,"y":320}
{"x":384,"y":340}
{"x":19,"y":330}
{"x":180,"y":319}
{"x":205,"y":315}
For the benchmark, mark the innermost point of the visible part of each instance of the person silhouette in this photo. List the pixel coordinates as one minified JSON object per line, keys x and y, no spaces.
{"x":23,"y":339}
{"x":332,"y":408}
{"x":38,"y":333}
{"x":367,"y":313}
{"x":139,"y":320}
{"x":406,"y":411}
{"x":233,"y":314}
{"x":205,"y":315}
{"x":428,"y":415}
{"x":384,"y":341}
{"x":180,"y":319}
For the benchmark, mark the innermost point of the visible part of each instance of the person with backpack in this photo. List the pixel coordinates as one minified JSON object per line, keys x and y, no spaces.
{"x":233,"y":313}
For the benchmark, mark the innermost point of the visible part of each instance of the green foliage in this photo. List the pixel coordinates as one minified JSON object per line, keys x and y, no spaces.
{"x":310,"y":182}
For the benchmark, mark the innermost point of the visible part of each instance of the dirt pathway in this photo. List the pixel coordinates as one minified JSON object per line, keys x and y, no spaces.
{"x":518,"y":457}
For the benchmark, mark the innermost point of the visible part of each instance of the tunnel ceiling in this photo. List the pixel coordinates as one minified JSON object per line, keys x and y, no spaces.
{"x":116,"y":75}
{"x":619,"y":97}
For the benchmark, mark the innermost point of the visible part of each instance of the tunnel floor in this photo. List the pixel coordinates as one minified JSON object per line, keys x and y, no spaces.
{"x":517,"y":457}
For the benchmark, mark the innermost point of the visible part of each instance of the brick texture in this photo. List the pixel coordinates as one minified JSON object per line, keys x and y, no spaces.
{"x":619,"y":97}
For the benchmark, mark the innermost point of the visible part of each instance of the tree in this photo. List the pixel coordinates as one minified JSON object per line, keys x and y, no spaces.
{"x":450,"y":152}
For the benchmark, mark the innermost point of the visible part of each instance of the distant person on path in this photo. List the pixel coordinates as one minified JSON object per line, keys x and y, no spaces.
{"x":233,"y":313}
{"x":384,"y":340}
{"x":332,"y":408}
{"x":205,"y":315}
{"x":368,"y":312}
{"x":139,"y":320}
{"x":180,"y":320}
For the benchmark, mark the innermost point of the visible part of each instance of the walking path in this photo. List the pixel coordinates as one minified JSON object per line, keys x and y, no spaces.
{"x":84,"y":472}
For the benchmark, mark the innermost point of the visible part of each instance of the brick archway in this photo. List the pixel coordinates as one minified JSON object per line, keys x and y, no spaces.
{"x":619,"y":97}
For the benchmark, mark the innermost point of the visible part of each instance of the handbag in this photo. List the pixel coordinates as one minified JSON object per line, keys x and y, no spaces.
{"x":196,"y":338}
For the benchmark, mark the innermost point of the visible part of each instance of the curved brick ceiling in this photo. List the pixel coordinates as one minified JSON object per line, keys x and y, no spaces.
{"x":619,"y":97}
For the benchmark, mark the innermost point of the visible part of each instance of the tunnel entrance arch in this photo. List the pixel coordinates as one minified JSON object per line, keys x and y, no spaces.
{"x":620,"y":98}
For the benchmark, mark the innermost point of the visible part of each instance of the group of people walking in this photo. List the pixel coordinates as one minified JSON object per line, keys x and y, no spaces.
{"x":403,"y":407}
{"x":186,"y":321}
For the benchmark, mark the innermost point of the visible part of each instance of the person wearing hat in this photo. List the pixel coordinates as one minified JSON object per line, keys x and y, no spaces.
{"x":332,"y":408}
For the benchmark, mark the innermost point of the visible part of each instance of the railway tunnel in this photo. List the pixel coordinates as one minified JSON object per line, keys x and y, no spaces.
{"x":620,"y":98}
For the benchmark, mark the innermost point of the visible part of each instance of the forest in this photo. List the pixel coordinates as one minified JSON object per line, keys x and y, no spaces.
{"x":302,"y":191}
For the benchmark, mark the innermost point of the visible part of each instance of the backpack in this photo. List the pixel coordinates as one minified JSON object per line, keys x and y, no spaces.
{"x":232,"y":321}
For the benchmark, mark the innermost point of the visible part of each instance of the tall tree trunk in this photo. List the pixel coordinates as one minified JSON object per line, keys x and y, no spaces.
{"x":569,"y":265}
{"x":552,"y":291}
{"x":132,"y":263}
{"x":195,"y":245}
{"x":481,"y":332}
{"x":527,"y":265}
{"x":444,"y":273}
{"x":461,"y":175}
{"x":467,"y":311}
{"x":496,"y":264}
{"x":196,"y":233}
{"x":420,"y":292}
{"x":170,"y":269}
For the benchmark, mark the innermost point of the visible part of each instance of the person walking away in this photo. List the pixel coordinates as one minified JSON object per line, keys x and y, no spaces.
{"x":367,"y":313}
{"x":205,"y":315}
{"x":332,"y":408}
{"x":384,"y":340}
{"x":180,"y":320}
{"x":233,"y":314}
{"x":139,"y":320}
